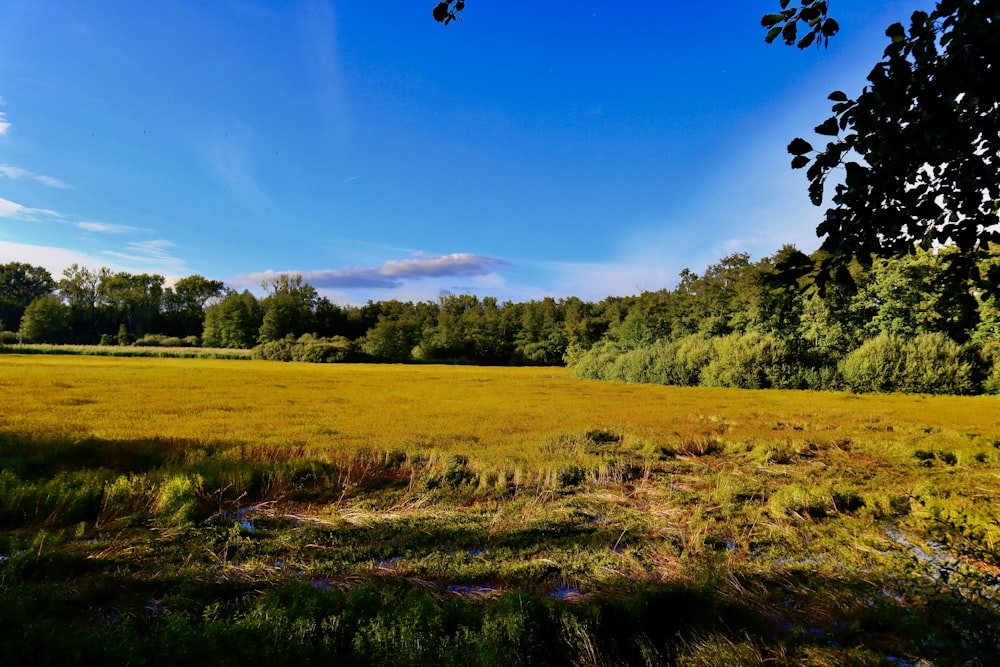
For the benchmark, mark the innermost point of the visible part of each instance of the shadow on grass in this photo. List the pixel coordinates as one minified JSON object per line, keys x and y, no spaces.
{"x":108,"y":556}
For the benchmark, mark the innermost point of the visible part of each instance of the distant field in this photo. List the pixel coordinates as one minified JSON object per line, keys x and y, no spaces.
{"x":356,"y":511}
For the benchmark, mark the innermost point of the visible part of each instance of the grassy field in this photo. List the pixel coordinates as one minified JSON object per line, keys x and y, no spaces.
{"x":192,"y":510}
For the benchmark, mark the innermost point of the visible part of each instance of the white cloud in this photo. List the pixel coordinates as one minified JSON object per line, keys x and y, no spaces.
{"x":11,"y":171}
{"x":52,"y":258}
{"x":15,"y":211}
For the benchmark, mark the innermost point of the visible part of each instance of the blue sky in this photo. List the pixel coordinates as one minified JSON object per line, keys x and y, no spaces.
{"x":538,"y":149}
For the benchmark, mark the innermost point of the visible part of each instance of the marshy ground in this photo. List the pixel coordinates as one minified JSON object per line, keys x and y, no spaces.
{"x":193,"y":511}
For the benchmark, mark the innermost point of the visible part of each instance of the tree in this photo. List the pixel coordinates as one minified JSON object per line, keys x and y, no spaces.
{"x":233,"y":322}
{"x":20,"y":284}
{"x":910,"y":296}
{"x":919,"y":148}
{"x":45,"y":320}
{"x":289,"y":307}
{"x":78,"y":289}
{"x":133,"y":300}
{"x":184,"y":304}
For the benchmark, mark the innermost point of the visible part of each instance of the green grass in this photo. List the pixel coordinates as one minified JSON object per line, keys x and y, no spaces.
{"x":196,"y":511}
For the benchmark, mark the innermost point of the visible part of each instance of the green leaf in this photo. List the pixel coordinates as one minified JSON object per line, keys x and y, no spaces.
{"x":807,"y":41}
{"x":784,"y":4}
{"x":809,"y":14}
{"x":896,"y":32}
{"x":830,"y":28}
{"x":772,"y":34}
{"x":799,"y":146}
{"x":828,"y":127}
{"x":770,"y":20}
{"x":800,"y":161}
{"x":837,"y":96}
{"x":789,"y":32}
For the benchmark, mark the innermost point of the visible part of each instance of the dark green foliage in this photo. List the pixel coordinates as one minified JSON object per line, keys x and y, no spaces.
{"x":309,"y":348}
{"x":233,"y":322}
{"x":45,"y":321}
{"x":918,"y":147}
{"x":20,"y":284}
{"x":928,"y":363}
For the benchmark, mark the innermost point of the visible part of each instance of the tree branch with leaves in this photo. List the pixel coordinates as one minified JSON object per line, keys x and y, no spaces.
{"x":917,"y":152}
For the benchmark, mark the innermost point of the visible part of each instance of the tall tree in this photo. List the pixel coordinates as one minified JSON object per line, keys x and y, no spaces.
{"x":184,"y":304}
{"x":46,"y":320}
{"x":289,"y":308}
{"x":233,"y":322}
{"x":133,"y":300}
{"x":20,"y":284}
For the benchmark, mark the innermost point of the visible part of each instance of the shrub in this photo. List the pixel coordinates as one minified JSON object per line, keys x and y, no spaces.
{"x":596,"y":363}
{"x":692,"y":354}
{"x":276,"y":350}
{"x":312,"y":349}
{"x":935,"y":364}
{"x":875,"y":366}
{"x":749,"y":361}
{"x":991,"y":359}
{"x":150,"y":340}
{"x":930,"y":363}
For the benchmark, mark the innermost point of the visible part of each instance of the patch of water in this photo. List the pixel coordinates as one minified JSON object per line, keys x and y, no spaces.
{"x":943,"y":568}
{"x":565,"y":593}
{"x":472,"y":590}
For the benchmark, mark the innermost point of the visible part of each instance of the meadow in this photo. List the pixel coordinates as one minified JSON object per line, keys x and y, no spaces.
{"x":169,"y":511}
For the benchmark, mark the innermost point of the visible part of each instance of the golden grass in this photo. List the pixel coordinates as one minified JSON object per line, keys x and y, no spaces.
{"x":799,"y":506}
{"x":537,"y":417}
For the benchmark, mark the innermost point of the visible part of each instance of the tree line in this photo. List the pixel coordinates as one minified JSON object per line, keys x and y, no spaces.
{"x":290,"y":322}
{"x":899,"y":324}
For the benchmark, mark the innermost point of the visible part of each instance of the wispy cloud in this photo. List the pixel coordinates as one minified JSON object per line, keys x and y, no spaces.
{"x":11,"y":171}
{"x":105,"y":228}
{"x":15,"y":211}
{"x":152,"y":255}
{"x":393,"y":273}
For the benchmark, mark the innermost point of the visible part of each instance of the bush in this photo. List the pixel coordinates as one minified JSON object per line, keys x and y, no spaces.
{"x":875,"y":366}
{"x":307,"y":348}
{"x":692,"y":354}
{"x":991,"y":360}
{"x":276,"y":350}
{"x":930,"y":363}
{"x":750,"y":361}
{"x":596,"y":363}
{"x":150,"y":340}
{"x":935,"y":364}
